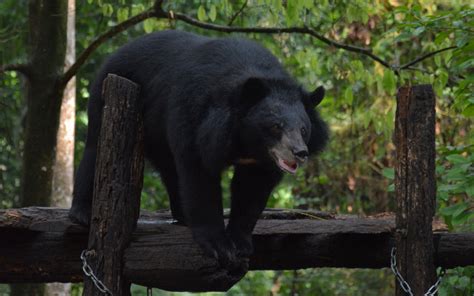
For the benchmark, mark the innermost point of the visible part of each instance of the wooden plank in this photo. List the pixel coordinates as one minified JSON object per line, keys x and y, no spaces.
{"x":164,"y":255}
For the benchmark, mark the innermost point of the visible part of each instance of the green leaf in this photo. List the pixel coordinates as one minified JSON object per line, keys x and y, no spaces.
{"x":457,"y":159}
{"x":202,"y":16}
{"x":391,"y":188}
{"x":470,"y":189}
{"x":418,"y":31}
{"x":291,"y":12}
{"x":448,"y":188}
{"x":443,"y":77}
{"x":122,"y":14}
{"x":442,"y":195}
{"x":323,"y":180}
{"x":213,"y":13}
{"x":453,"y":210}
{"x":308,"y":4}
{"x":468,"y":111}
{"x":348,"y":95}
{"x":149,"y":25}
{"x":461,"y":218}
{"x":107,"y":9}
{"x":457,"y":173}
{"x":389,"y":82}
{"x":389,"y":173}
{"x":441,"y":37}
{"x":366,"y":120}
{"x":137,"y":8}
{"x":437,"y":60}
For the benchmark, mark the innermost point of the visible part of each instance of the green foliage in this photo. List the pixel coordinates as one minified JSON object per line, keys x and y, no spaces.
{"x":458,"y":282}
{"x":10,"y":139}
{"x":456,"y":187}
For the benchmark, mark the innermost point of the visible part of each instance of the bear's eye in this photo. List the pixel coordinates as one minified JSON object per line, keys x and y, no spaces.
{"x":303,"y":131}
{"x":276,"y":128}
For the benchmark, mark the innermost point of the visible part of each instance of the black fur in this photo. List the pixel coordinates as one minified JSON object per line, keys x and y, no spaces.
{"x":208,"y":103}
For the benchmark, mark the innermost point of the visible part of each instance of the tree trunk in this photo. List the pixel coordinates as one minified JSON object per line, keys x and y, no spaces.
{"x":47,"y":48}
{"x":47,"y":45}
{"x":63,"y":171}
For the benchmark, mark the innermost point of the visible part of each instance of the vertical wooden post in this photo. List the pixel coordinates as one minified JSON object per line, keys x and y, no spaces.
{"x":117,"y":185}
{"x":415,"y":186}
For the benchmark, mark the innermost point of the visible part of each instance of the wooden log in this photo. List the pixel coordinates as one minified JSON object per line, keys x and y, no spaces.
{"x":43,"y":245}
{"x":415,"y":187}
{"x":117,"y":186}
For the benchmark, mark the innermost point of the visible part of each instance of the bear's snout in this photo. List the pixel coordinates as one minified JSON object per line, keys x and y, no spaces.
{"x":301,"y":153}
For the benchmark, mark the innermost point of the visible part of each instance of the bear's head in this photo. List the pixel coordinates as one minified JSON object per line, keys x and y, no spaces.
{"x":279,"y":123}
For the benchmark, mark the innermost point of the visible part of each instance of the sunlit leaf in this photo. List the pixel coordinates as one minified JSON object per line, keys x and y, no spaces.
{"x":107,"y":9}
{"x":348,"y":95}
{"x":213,"y":13}
{"x":389,"y":82}
{"x":389,"y":173}
{"x":201,"y":13}
{"x":122,"y":14}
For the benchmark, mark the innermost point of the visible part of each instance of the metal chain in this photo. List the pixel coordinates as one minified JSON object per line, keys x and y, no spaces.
{"x":405,"y":286}
{"x":88,"y":272}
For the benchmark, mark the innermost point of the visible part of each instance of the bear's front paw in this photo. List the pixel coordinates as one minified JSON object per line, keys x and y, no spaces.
{"x":218,"y":245}
{"x":81,"y":215}
{"x":243,"y":243}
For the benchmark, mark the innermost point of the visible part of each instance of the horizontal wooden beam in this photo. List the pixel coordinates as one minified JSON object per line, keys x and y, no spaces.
{"x":43,"y":245}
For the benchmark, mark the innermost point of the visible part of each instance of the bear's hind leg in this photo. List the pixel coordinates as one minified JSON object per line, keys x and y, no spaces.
{"x":169,"y":177}
{"x":80,"y":211}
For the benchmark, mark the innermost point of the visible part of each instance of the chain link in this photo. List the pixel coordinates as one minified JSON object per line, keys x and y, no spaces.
{"x":405,"y":286}
{"x":88,"y":272}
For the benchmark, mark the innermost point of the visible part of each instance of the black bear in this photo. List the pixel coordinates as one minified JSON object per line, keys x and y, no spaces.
{"x":210,"y":103}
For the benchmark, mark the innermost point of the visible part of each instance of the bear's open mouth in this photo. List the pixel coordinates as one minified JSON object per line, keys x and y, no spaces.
{"x":286,"y":165}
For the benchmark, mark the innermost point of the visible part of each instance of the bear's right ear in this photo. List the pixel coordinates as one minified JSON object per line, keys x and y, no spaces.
{"x":253,"y":90}
{"x":317,"y":96}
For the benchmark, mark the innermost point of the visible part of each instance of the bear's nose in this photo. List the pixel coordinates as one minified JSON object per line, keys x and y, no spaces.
{"x":301,"y":154}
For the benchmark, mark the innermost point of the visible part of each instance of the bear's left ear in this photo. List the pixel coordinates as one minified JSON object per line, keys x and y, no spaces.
{"x":253,"y":90}
{"x":316,"y":96}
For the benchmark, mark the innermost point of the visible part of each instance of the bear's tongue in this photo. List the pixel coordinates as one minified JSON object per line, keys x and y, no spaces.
{"x":287,"y":166}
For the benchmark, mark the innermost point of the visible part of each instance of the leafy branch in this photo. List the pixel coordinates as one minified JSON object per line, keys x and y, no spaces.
{"x":277,"y":30}
{"x":102,"y":39}
{"x":158,"y":12}
{"x":424,"y":57}
{"x":234,"y":17}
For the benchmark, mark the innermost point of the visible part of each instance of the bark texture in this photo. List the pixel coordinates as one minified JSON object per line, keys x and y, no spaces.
{"x":47,"y":48}
{"x":415,"y":186}
{"x":63,"y":170}
{"x":117,"y":185}
{"x":64,"y":163}
{"x":43,"y":245}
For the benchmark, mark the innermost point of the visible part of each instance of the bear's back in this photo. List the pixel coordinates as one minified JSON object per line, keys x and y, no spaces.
{"x":179,"y":57}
